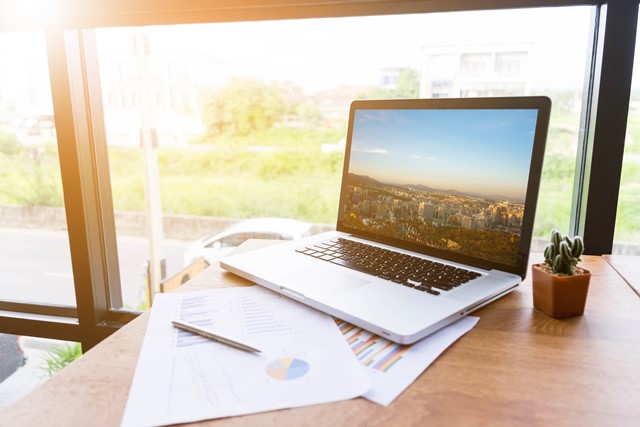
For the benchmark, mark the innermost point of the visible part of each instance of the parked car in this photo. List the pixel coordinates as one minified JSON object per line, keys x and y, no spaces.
{"x":34,"y":129}
{"x":11,"y":355}
{"x":215,"y":246}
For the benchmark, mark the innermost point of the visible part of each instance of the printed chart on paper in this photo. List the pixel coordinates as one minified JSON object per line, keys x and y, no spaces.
{"x":184,"y":377}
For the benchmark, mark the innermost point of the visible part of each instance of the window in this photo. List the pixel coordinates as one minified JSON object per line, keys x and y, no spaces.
{"x":28,"y":362}
{"x":476,"y":65}
{"x":627,"y":233}
{"x":255,"y":124}
{"x":97,"y":86}
{"x":35,"y":265}
{"x":510,"y":64}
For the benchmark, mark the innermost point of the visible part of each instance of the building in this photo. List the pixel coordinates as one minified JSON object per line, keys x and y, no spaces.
{"x":475,"y":70}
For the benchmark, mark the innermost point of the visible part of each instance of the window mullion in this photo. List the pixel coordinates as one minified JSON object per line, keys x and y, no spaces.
{"x":600,"y":157}
{"x":100,"y":156}
{"x":81,"y":196}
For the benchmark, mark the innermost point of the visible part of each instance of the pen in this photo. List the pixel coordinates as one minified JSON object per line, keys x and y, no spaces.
{"x":214,"y":336}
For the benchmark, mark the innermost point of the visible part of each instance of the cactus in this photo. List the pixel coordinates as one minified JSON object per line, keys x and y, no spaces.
{"x":562,"y":254}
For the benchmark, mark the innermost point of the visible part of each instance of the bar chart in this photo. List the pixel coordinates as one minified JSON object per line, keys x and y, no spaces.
{"x":372,"y":350}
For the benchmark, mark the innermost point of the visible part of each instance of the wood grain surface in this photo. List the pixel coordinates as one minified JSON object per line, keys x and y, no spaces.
{"x":628,"y":266}
{"x":516,"y":367}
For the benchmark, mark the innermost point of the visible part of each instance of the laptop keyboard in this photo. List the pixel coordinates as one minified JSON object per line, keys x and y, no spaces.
{"x":407,"y":270}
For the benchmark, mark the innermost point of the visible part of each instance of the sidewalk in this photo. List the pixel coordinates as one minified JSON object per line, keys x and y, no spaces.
{"x":32,"y":374}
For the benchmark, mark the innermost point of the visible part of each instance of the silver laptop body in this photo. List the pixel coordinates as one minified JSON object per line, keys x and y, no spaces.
{"x":452,"y":181}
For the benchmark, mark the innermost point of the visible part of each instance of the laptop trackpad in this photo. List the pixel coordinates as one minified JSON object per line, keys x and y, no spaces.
{"x":316,"y":280}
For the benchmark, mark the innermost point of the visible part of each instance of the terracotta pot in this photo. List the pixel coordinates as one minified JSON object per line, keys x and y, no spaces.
{"x":559,"y":295}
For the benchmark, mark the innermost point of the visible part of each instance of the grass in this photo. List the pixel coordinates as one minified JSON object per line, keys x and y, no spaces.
{"x":58,"y":358}
{"x":232,"y":178}
{"x":285,"y":172}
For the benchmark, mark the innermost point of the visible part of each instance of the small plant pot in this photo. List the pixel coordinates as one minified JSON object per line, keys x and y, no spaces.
{"x":559,"y":295}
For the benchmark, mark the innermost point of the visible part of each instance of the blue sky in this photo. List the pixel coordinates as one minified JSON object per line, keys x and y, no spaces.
{"x":474,"y":151}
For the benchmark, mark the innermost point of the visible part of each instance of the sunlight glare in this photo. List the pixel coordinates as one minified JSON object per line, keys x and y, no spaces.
{"x":32,"y":12}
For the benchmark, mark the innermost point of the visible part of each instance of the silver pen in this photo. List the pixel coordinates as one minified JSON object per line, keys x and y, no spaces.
{"x":214,"y":336}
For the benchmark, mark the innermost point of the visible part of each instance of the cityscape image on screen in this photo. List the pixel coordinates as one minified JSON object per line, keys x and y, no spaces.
{"x":449,"y":179}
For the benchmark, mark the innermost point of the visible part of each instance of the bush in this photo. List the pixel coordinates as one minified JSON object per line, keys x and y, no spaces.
{"x":9,"y":144}
{"x":60,"y":357}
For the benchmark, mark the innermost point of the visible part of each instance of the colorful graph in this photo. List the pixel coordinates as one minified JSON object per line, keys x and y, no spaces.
{"x":287,"y":368}
{"x":372,"y":350}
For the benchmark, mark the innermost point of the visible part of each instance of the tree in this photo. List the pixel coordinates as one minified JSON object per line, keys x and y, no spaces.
{"x":407,"y":86}
{"x":9,"y":144}
{"x":245,"y":105}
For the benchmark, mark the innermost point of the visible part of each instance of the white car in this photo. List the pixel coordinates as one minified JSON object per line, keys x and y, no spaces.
{"x":214,"y":247}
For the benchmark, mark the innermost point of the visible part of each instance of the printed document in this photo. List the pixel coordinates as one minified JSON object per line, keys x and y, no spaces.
{"x":394,"y":367}
{"x":182,"y":377}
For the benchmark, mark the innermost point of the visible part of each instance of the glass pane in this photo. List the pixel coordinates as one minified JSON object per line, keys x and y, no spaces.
{"x":28,"y":362}
{"x":35,"y":262}
{"x":627,"y":233}
{"x":250,"y":118}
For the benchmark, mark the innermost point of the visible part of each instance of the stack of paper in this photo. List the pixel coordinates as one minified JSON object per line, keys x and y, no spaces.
{"x":181,"y":377}
{"x":306,"y":359}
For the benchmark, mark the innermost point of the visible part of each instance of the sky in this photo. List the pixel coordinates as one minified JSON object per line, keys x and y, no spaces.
{"x":319,"y":53}
{"x":325,"y":54}
{"x":473,"y":151}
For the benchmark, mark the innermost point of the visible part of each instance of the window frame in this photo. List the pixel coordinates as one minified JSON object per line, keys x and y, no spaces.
{"x":82,"y":143}
{"x":604,"y":124}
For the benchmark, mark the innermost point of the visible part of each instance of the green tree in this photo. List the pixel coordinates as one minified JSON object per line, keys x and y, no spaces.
{"x":9,"y":144}
{"x":407,"y":86}
{"x":243,"y":106}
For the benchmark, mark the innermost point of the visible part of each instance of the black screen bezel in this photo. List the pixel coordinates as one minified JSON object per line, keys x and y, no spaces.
{"x":540,"y":103}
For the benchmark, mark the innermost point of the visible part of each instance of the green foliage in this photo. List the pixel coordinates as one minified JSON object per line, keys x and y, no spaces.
{"x":632,"y":142}
{"x":563,"y":253}
{"x":554,"y":200}
{"x":554,"y":207}
{"x":31,"y":178}
{"x":268,"y":160}
{"x":280,"y":171}
{"x":9,"y":144}
{"x":627,"y":225}
{"x":243,"y":106}
{"x":60,"y":357}
{"x":407,"y":86}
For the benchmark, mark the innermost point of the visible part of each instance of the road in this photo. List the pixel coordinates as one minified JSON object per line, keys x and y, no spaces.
{"x":35,"y":266}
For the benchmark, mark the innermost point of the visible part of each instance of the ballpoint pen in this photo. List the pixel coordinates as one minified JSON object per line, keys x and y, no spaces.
{"x":214,"y":336}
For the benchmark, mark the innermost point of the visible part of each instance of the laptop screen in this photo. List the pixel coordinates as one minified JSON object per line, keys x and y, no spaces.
{"x":454,"y":178}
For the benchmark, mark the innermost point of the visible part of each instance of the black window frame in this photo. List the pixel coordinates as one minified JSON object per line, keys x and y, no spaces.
{"x":82,"y":145}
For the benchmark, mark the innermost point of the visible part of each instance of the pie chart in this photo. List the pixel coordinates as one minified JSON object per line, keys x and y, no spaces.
{"x":287,"y":368}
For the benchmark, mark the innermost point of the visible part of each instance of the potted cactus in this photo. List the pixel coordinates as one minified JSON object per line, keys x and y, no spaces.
{"x":560,"y":286}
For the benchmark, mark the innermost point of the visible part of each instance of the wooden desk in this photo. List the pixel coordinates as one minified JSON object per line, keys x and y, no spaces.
{"x":628,"y":266}
{"x":516,"y":367}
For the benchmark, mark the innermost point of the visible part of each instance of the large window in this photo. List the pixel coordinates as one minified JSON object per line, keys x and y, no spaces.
{"x":35,"y":262}
{"x":255,"y":125}
{"x":206,"y":113}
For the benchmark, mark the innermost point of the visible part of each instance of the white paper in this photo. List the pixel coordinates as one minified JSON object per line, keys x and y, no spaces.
{"x":393,"y":367}
{"x":181,"y":377}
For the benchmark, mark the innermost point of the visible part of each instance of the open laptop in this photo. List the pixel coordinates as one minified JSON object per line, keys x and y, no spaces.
{"x":440,"y":195}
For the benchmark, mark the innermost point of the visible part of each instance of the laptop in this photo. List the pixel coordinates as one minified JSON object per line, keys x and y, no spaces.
{"x":435,"y":216}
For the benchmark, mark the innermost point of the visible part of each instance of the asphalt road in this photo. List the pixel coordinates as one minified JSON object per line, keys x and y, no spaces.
{"x":35,"y":266}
